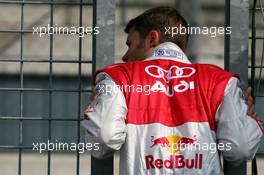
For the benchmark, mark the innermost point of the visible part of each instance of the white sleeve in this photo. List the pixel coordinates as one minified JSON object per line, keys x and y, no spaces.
{"x":104,"y":118}
{"x":234,"y":127}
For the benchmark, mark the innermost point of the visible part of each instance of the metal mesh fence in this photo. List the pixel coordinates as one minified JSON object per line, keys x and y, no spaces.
{"x":23,"y":95}
{"x":256,"y":64}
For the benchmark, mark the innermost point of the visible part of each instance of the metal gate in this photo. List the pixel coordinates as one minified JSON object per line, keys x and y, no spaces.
{"x":257,"y":65}
{"x":48,"y":85}
{"x":237,"y":59}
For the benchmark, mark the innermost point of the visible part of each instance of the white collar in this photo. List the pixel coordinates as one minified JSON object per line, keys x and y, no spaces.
{"x":168,"y":51}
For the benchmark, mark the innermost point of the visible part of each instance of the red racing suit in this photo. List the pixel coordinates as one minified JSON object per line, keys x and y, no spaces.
{"x":169,"y":122}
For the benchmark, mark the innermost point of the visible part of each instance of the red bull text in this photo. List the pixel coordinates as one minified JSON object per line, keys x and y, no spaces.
{"x":175,"y":161}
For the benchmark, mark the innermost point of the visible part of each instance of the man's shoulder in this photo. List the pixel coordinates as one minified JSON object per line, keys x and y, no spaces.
{"x":211,"y":68}
{"x":212,"y":72}
{"x":119,"y":72}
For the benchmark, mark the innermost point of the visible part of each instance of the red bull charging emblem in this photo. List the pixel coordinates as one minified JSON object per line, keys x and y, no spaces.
{"x":173,"y":143}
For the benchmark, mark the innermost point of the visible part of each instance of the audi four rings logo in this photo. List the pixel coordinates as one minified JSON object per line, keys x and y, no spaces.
{"x":172,"y":73}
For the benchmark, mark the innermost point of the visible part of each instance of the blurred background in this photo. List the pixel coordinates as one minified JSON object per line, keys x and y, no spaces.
{"x":45,"y":81}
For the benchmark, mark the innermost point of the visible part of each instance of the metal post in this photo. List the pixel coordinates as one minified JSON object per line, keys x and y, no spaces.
{"x":254,"y":169}
{"x":21,"y":99}
{"x":190,"y":10}
{"x":103,"y":54}
{"x":123,"y":5}
{"x":236,"y":55}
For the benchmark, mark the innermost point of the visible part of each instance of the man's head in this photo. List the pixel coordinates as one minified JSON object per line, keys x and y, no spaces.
{"x":147,"y":30}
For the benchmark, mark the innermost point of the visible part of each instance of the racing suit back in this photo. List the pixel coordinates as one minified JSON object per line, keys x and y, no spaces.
{"x":171,"y":116}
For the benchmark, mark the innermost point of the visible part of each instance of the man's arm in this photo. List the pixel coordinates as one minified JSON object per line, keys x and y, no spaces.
{"x":104,"y":118}
{"x":236,"y":124}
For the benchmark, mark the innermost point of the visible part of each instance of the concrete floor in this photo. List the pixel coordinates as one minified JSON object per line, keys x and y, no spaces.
{"x":62,"y":164}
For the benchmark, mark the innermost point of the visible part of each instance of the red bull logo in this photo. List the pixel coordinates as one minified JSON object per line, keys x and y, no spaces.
{"x":173,"y":143}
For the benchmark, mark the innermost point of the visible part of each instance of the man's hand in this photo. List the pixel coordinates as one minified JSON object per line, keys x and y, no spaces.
{"x":250,"y":102}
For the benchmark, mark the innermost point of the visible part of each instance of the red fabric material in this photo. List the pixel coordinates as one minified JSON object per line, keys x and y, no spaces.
{"x":197,"y":104}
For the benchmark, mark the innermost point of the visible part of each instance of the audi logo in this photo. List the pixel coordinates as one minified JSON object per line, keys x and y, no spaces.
{"x":172,"y":73}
